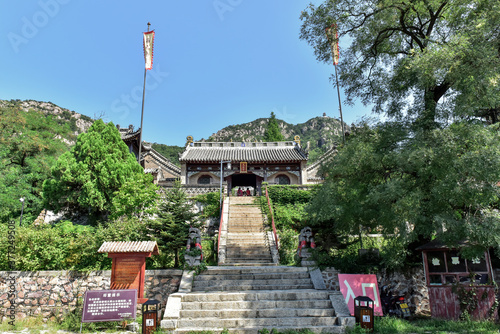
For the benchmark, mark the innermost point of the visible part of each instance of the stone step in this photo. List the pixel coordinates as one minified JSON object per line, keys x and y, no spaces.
{"x":250,"y":329}
{"x":216,"y":270}
{"x":248,"y":250}
{"x":249,"y":264}
{"x":301,"y":322}
{"x":247,"y":276}
{"x":247,"y":223}
{"x":254,"y":282}
{"x":239,"y":243}
{"x":251,"y":237}
{"x":253,"y":287}
{"x":246,"y":229}
{"x":258,"y":313}
{"x":262,"y":256}
{"x":253,"y":305}
{"x":260,"y":242}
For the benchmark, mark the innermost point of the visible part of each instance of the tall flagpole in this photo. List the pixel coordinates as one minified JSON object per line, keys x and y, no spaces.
{"x":340,"y":106}
{"x":142,"y":111}
{"x":333,"y":37}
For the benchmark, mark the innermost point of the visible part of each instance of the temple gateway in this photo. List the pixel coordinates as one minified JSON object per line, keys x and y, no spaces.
{"x":244,"y":164}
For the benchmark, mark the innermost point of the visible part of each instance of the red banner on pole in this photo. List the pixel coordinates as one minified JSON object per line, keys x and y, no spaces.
{"x":148,"y":41}
{"x":333,"y":37}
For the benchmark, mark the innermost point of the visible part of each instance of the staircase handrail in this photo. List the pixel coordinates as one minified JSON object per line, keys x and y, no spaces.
{"x":275,"y":235}
{"x":220,"y":226}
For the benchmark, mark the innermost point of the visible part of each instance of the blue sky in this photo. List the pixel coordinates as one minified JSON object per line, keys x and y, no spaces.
{"x":216,"y":63}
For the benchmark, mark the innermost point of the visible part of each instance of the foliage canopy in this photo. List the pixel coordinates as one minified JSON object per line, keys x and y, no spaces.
{"x":421,"y":60}
{"x":414,"y":188}
{"x":29,"y":145}
{"x":273,"y":132}
{"x":99,"y":176}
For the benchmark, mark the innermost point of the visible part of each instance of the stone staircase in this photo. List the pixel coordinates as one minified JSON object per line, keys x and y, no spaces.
{"x":247,"y":242}
{"x":249,"y":299}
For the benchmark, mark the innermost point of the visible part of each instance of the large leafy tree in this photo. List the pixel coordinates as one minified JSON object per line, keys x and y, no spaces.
{"x":98,"y":177}
{"x":273,"y":132}
{"x":171,"y":226}
{"x":421,"y":59}
{"x":412,"y":188}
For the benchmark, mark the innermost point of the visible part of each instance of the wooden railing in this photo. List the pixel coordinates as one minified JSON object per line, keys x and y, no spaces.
{"x":272,"y":221}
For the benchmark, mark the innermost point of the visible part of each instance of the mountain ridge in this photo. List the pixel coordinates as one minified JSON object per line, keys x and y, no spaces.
{"x":317,"y":134}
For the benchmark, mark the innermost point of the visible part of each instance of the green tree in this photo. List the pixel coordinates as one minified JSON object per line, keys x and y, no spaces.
{"x":424,"y":60}
{"x":413,"y":188}
{"x":175,"y":216}
{"x":97,"y":175}
{"x":273,"y":132}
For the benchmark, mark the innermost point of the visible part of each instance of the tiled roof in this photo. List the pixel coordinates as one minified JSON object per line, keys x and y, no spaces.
{"x":152,"y":170}
{"x":130,"y":135}
{"x":129,"y":247}
{"x":162,"y":161}
{"x":239,"y":151}
{"x":328,"y":155}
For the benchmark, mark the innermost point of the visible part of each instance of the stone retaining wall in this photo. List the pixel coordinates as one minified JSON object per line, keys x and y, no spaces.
{"x":411,"y":285}
{"x":52,"y":293}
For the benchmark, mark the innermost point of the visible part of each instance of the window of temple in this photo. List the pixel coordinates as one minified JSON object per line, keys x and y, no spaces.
{"x":205,"y":179}
{"x":282,"y":179}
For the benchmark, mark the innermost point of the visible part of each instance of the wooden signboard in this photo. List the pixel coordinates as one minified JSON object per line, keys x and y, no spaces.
{"x":129,"y":264}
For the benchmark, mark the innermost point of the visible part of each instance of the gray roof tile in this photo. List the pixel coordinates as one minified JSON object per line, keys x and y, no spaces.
{"x":249,"y":152}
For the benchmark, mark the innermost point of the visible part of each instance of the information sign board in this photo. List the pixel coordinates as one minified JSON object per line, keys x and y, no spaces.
{"x":353,"y":286}
{"x":109,"y":305}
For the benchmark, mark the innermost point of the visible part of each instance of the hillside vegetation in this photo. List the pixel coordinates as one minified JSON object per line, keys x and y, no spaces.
{"x":321,"y":133}
{"x":32,"y":136}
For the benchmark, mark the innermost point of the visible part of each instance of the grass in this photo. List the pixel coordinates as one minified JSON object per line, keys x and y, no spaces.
{"x":386,"y":325}
{"x":390,"y":325}
{"x":70,"y":322}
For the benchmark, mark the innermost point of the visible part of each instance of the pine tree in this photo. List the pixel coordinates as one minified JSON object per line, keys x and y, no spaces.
{"x":175,"y":216}
{"x":273,"y":132}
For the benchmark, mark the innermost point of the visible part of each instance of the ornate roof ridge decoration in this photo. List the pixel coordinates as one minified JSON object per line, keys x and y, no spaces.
{"x":128,"y":133}
{"x":214,"y":152}
{"x":161,"y":160}
{"x":325,"y":156}
{"x":129,"y":247}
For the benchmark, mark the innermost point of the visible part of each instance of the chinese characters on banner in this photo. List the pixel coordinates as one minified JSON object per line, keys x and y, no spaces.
{"x":353,"y":286}
{"x":148,"y":41}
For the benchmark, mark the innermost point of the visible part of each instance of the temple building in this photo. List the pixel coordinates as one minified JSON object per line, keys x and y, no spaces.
{"x":164,"y":172}
{"x":244,"y":164}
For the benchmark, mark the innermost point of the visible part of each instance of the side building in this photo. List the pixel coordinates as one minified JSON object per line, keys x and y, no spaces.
{"x":164,"y":172}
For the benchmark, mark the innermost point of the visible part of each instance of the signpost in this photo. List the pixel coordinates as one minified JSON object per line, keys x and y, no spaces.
{"x":109,"y":305}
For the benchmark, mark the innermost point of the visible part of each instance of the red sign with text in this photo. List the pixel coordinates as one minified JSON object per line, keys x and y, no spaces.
{"x":109,"y":305}
{"x":353,"y":286}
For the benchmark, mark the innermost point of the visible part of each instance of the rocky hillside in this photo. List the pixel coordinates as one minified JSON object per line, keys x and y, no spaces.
{"x":321,"y":132}
{"x":78,"y":123}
